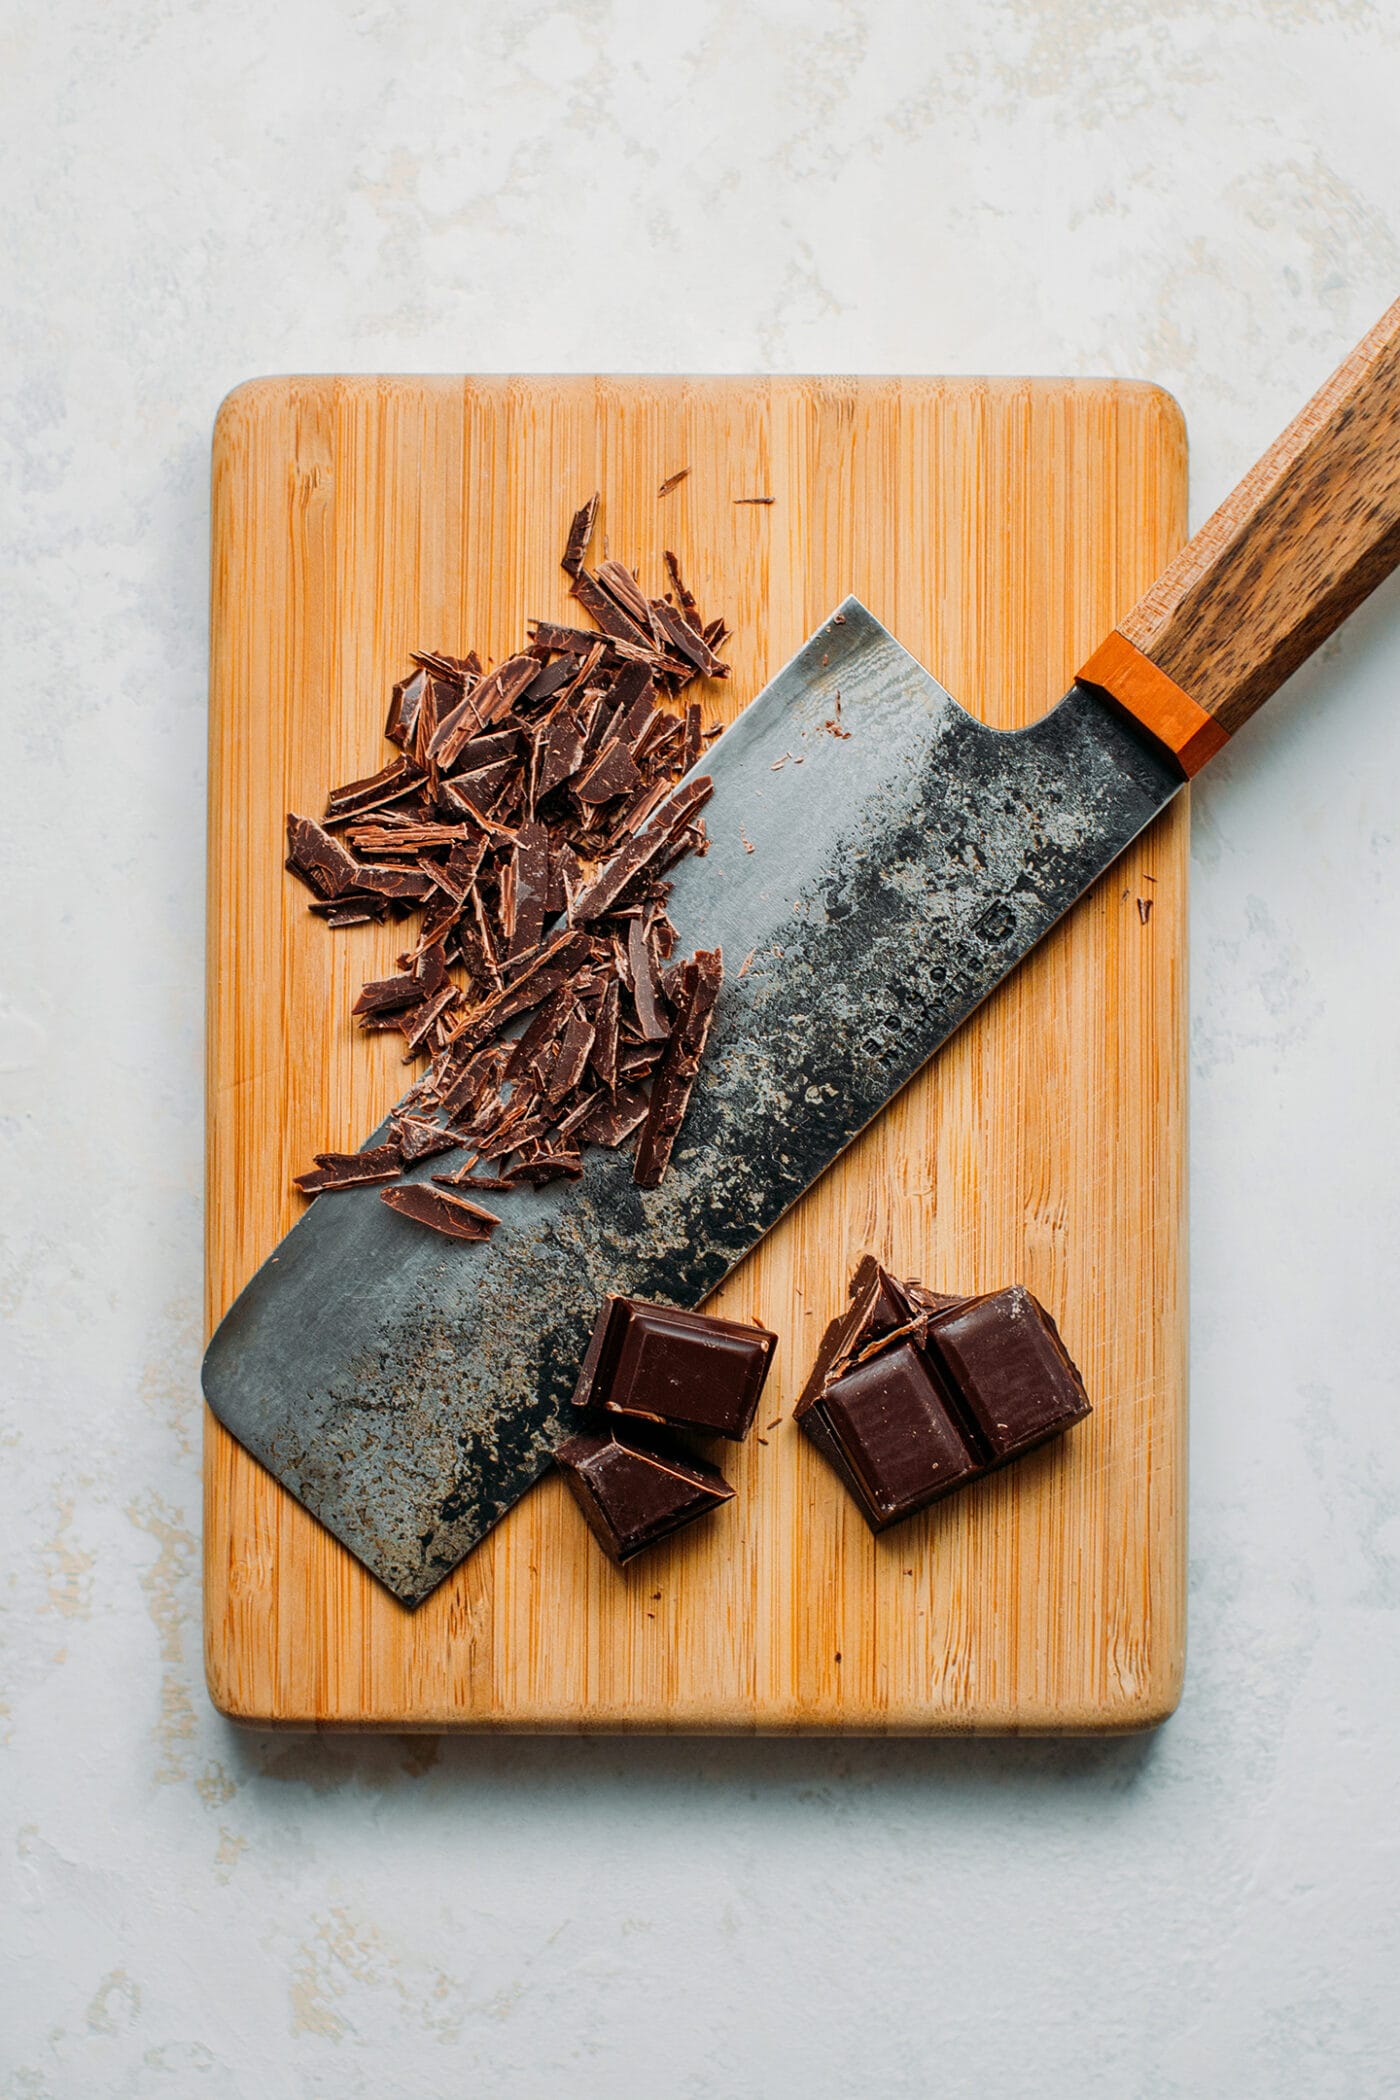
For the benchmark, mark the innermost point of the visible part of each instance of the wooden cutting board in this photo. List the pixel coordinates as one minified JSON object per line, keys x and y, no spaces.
{"x":998,"y":527}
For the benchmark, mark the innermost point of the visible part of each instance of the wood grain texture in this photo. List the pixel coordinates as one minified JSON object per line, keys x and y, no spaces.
{"x":998,"y":528}
{"x":1310,"y":531}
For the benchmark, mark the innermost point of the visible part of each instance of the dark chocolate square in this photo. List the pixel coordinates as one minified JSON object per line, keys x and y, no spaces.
{"x":656,"y":1363}
{"x":901,"y":1444}
{"x":1009,"y":1372}
{"x":634,"y":1491}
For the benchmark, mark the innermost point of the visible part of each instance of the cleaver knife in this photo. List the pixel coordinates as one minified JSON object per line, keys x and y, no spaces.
{"x":408,"y":1389}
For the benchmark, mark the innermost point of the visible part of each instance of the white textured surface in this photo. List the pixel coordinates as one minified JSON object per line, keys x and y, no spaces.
{"x":1206,"y":195}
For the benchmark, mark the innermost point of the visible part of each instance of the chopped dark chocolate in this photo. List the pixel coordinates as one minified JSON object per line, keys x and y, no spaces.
{"x":658,"y":1363}
{"x":915,"y":1394}
{"x":542,"y":787}
{"x":635,"y":1491}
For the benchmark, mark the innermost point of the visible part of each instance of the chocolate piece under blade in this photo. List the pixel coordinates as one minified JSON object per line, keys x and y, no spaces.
{"x":409,"y":1390}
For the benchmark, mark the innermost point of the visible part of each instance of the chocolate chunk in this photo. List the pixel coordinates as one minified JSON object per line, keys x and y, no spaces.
{"x":451,"y":1215}
{"x":670,"y":1096}
{"x":635,"y":1492}
{"x":657,"y":1363}
{"x":1008,"y":1368}
{"x":915,"y":1394}
{"x":892,"y":1424}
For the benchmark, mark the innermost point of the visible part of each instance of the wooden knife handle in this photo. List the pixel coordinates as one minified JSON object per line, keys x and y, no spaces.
{"x":1309,"y":532}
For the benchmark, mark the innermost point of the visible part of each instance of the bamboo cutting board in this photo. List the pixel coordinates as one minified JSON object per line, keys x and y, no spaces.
{"x":998,"y":528}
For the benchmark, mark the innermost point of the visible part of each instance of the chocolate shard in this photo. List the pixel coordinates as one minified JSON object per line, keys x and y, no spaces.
{"x":500,"y":689}
{"x":350,"y":911}
{"x":580,"y":533}
{"x":408,"y":696}
{"x":452,"y":1215}
{"x":574,"y":1047}
{"x":547,"y":972}
{"x":685,"y":641}
{"x":558,"y":752}
{"x":671,"y":1091}
{"x":399,"y":778}
{"x":646,"y":992}
{"x":612,"y":773}
{"x":611,"y":1123}
{"x":530,"y":876}
{"x":334,"y":1171}
{"x":684,"y":598}
{"x":608,"y":615}
{"x":636,"y":1491}
{"x":685,"y":1370}
{"x":321,"y":861}
{"x":419,"y":1023}
{"x":549,"y":680}
{"x":626,"y":593}
{"x":454,"y":669}
{"x":406,"y":885}
{"x":419,"y":1138}
{"x":540,"y":1163}
{"x":603,"y":1055}
{"x":388,"y":995}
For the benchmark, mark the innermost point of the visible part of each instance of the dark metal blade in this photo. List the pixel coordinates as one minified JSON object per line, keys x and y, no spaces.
{"x":869,"y":889}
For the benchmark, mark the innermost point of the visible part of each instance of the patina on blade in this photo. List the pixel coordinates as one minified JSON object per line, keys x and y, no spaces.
{"x":409,"y":1390}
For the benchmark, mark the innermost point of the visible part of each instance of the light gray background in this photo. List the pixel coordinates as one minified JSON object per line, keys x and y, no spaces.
{"x":1206,"y":195}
